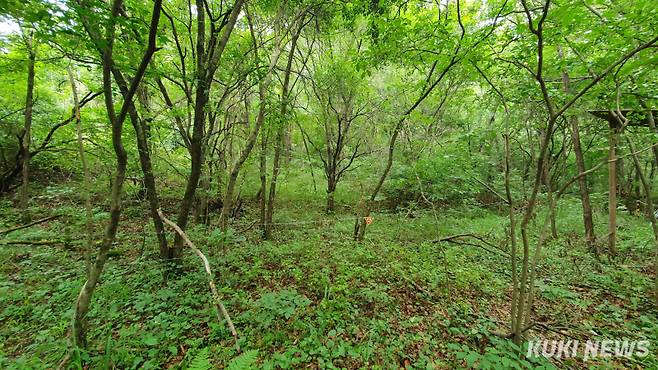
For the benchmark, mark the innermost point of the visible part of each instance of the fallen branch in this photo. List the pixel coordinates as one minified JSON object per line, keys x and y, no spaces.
{"x":451,"y":239}
{"x":34,"y":242}
{"x":248,"y":227}
{"x":218,"y":303}
{"x":496,"y":249}
{"x":3,"y":232}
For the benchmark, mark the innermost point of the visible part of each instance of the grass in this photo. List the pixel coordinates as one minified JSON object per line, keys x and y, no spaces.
{"x":314,"y":298}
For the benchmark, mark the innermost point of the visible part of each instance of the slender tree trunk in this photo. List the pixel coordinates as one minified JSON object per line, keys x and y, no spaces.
{"x":235,"y":171}
{"x":263,"y":182}
{"x":144,"y":152}
{"x":549,"y":194}
{"x":280,"y":132}
{"x":201,"y":213}
{"x":637,"y":204}
{"x":652,"y":217}
{"x":276,"y":167}
{"x":612,"y":192}
{"x":287,"y":139}
{"x":27,"y":130}
{"x":206,"y":67}
{"x":262,"y":90}
{"x":200,"y":102}
{"x":512,"y":231}
{"x":360,"y":222}
{"x":86,"y":177}
{"x":588,"y":222}
{"x":84,"y":297}
{"x":149,"y":181}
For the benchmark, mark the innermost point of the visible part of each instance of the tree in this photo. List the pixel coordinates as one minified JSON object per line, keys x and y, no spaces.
{"x":434,"y":76}
{"x":208,"y":55}
{"x":339,"y":92}
{"x":525,"y":296}
{"x":104,"y":45}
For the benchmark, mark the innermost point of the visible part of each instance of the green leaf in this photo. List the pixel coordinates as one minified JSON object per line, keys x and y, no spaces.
{"x":150,"y":340}
{"x":245,"y":361}
{"x":200,"y":361}
{"x":471,"y":358}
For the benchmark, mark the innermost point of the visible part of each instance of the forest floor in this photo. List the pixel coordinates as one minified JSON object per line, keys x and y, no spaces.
{"x":313,"y":297}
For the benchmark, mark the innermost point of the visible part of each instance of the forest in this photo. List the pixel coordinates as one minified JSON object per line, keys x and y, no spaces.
{"x":328,"y":184}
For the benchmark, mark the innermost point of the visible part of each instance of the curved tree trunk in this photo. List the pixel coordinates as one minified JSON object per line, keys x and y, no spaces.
{"x":105,"y":47}
{"x":144,"y":152}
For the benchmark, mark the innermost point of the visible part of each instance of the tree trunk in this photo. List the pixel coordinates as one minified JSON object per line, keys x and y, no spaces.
{"x":27,"y":130}
{"x":549,"y":194}
{"x":650,"y":209}
{"x":263,"y":182}
{"x":360,"y":222}
{"x":588,"y":222}
{"x":276,"y":167}
{"x":84,"y":297}
{"x":201,"y":215}
{"x":612,"y":192}
{"x":235,"y":171}
{"x":287,"y":140}
{"x":200,"y":102}
{"x":144,"y":152}
{"x":512,"y":229}
{"x":331,"y":188}
{"x":206,"y":67}
{"x":280,"y":131}
{"x":86,"y":184}
{"x":149,"y":181}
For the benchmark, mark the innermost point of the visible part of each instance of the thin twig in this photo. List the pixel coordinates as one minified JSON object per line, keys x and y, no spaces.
{"x":491,"y":190}
{"x":218,"y":303}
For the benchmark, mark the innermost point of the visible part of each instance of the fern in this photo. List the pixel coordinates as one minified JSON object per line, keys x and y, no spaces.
{"x":245,"y":361}
{"x":200,"y":361}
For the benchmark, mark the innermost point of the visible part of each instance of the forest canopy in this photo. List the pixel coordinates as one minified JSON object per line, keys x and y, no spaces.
{"x":328,"y":184}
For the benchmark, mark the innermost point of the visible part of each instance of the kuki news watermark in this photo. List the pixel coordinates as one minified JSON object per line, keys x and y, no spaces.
{"x":589,"y":349}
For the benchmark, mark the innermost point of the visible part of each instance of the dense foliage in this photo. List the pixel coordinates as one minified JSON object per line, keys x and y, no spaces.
{"x":501,"y":154}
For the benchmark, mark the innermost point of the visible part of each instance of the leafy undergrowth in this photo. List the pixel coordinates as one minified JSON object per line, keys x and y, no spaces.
{"x":313,"y":298}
